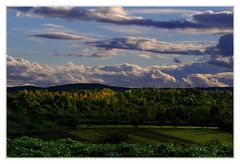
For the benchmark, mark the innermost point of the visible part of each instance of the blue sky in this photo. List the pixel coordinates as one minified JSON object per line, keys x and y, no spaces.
{"x":147,"y":37}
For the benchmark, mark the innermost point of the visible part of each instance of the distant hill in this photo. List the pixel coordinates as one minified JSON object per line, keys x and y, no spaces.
{"x":19,"y":88}
{"x":91,"y":86}
{"x":69,"y":87}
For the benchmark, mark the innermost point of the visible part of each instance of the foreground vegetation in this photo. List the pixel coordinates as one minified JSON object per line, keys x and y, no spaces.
{"x":140,"y":122}
{"x":32,"y":147}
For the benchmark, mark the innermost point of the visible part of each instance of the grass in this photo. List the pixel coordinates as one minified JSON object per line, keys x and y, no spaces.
{"x":144,"y":134}
{"x":199,"y":136}
{"x":161,"y":134}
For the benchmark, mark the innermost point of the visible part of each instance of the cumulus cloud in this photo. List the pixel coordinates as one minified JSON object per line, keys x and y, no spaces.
{"x":24,"y":72}
{"x":222,"y":61}
{"x":224,"y":79}
{"x":212,"y":66}
{"x":119,"y":16}
{"x":202,"y":80}
{"x":63,"y":36}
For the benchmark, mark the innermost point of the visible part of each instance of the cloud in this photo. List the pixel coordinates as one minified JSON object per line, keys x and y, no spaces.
{"x":24,"y":72}
{"x":224,"y":77}
{"x":93,"y":52}
{"x":145,"y":56}
{"x":151,"y":45}
{"x":202,"y":80}
{"x":212,"y":66}
{"x":103,"y":14}
{"x":222,"y":61}
{"x":104,"y":48}
{"x":52,"y":25}
{"x":161,"y":11}
{"x":215,"y":30}
{"x":63,"y":36}
{"x":177,"y":60}
{"x":225,"y":44}
{"x":119,"y":16}
{"x":211,"y":19}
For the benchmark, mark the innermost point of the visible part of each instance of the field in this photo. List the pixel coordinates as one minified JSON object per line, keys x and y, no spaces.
{"x":111,"y":140}
{"x":140,"y":135}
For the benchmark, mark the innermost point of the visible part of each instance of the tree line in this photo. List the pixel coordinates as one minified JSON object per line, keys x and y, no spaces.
{"x":148,"y":106}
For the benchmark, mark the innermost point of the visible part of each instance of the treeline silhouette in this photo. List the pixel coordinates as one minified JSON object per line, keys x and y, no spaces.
{"x":149,"y":106}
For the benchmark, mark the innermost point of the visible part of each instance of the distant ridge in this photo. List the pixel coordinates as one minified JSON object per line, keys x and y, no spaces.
{"x":91,"y":86}
{"x":69,"y":87}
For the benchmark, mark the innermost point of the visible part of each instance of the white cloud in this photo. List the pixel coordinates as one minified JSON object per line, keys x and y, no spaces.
{"x":92,"y":52}
{"x":24,"y":72}
{"x":202,"y":80}
{"x":161,"y":11}
{"x":52,"y":25}
{"x":63,"y":36}
{"x":145,"y":56}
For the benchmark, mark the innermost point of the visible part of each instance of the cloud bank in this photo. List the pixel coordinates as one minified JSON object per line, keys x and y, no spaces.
{"x":24,"y":72}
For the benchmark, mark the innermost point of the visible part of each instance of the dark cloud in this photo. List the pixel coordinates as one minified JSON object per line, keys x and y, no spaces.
{"x":107,"y":48}
{"x":22,"y":9}
{"x":177,"y":60}
{"x":225,"y":44}
{"x":215,"y":19}
{"x":150,"y":45}
{"x":117,"y":15}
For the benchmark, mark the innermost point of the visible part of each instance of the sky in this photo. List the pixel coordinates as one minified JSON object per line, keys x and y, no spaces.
{"x":120,"y":46}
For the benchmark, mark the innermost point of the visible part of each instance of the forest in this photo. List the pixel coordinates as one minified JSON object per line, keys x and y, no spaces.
{"x":40,"y":111}
{"x":149,"y":106}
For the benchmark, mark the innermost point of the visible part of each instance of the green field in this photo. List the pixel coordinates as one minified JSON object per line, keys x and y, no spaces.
{"x":140,"y":135}
{"x":122,"y":141}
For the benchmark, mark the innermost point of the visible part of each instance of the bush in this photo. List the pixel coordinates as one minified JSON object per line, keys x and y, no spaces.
{"x":32,"y":147}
